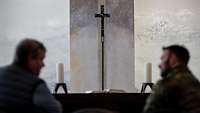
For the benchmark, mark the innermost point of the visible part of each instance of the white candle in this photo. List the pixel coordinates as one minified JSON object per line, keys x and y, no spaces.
{"x":60,"y":72}
{"x":102,"y":2}
{"x":148,"y":73}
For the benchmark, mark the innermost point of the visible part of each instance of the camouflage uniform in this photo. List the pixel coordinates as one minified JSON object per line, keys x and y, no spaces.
{"x":178,"y":92}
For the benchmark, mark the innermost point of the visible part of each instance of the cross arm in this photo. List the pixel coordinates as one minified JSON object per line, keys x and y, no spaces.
{"x":102,"y":15}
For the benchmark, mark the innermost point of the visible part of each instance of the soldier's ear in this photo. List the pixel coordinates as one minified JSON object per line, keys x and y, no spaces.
{"x":173,"y":60}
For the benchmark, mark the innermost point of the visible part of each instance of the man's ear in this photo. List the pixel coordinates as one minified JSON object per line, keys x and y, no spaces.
{"x":173,"y":60}
{"x":30,"y":59}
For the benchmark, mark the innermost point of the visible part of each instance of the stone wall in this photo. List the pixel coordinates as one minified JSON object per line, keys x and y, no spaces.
{"x":161,"y":23}
{"x":85,"y":46}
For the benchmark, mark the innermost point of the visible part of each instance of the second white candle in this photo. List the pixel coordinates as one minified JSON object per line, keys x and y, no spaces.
{"x":60,"y":72}
{"x":148,"y":73}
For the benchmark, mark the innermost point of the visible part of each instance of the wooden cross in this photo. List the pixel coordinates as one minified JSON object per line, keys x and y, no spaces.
{"x":102,"y":15}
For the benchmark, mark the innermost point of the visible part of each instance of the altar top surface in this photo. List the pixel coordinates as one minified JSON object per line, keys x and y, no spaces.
{"x":120,"y":102}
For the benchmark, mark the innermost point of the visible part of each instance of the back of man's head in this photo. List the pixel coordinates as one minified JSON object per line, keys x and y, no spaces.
{"x":180,"y":52}
{"x":25,"y":48}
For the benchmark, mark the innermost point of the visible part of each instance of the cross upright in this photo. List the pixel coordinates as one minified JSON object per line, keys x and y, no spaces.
{"x":102,"y":15}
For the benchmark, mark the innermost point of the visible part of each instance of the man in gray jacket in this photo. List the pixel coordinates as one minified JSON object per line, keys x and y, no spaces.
{"x":21,"y":89}
{"x":179,"y":90}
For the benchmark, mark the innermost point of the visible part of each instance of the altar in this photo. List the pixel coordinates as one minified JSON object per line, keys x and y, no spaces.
{"x":117,"y":102}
